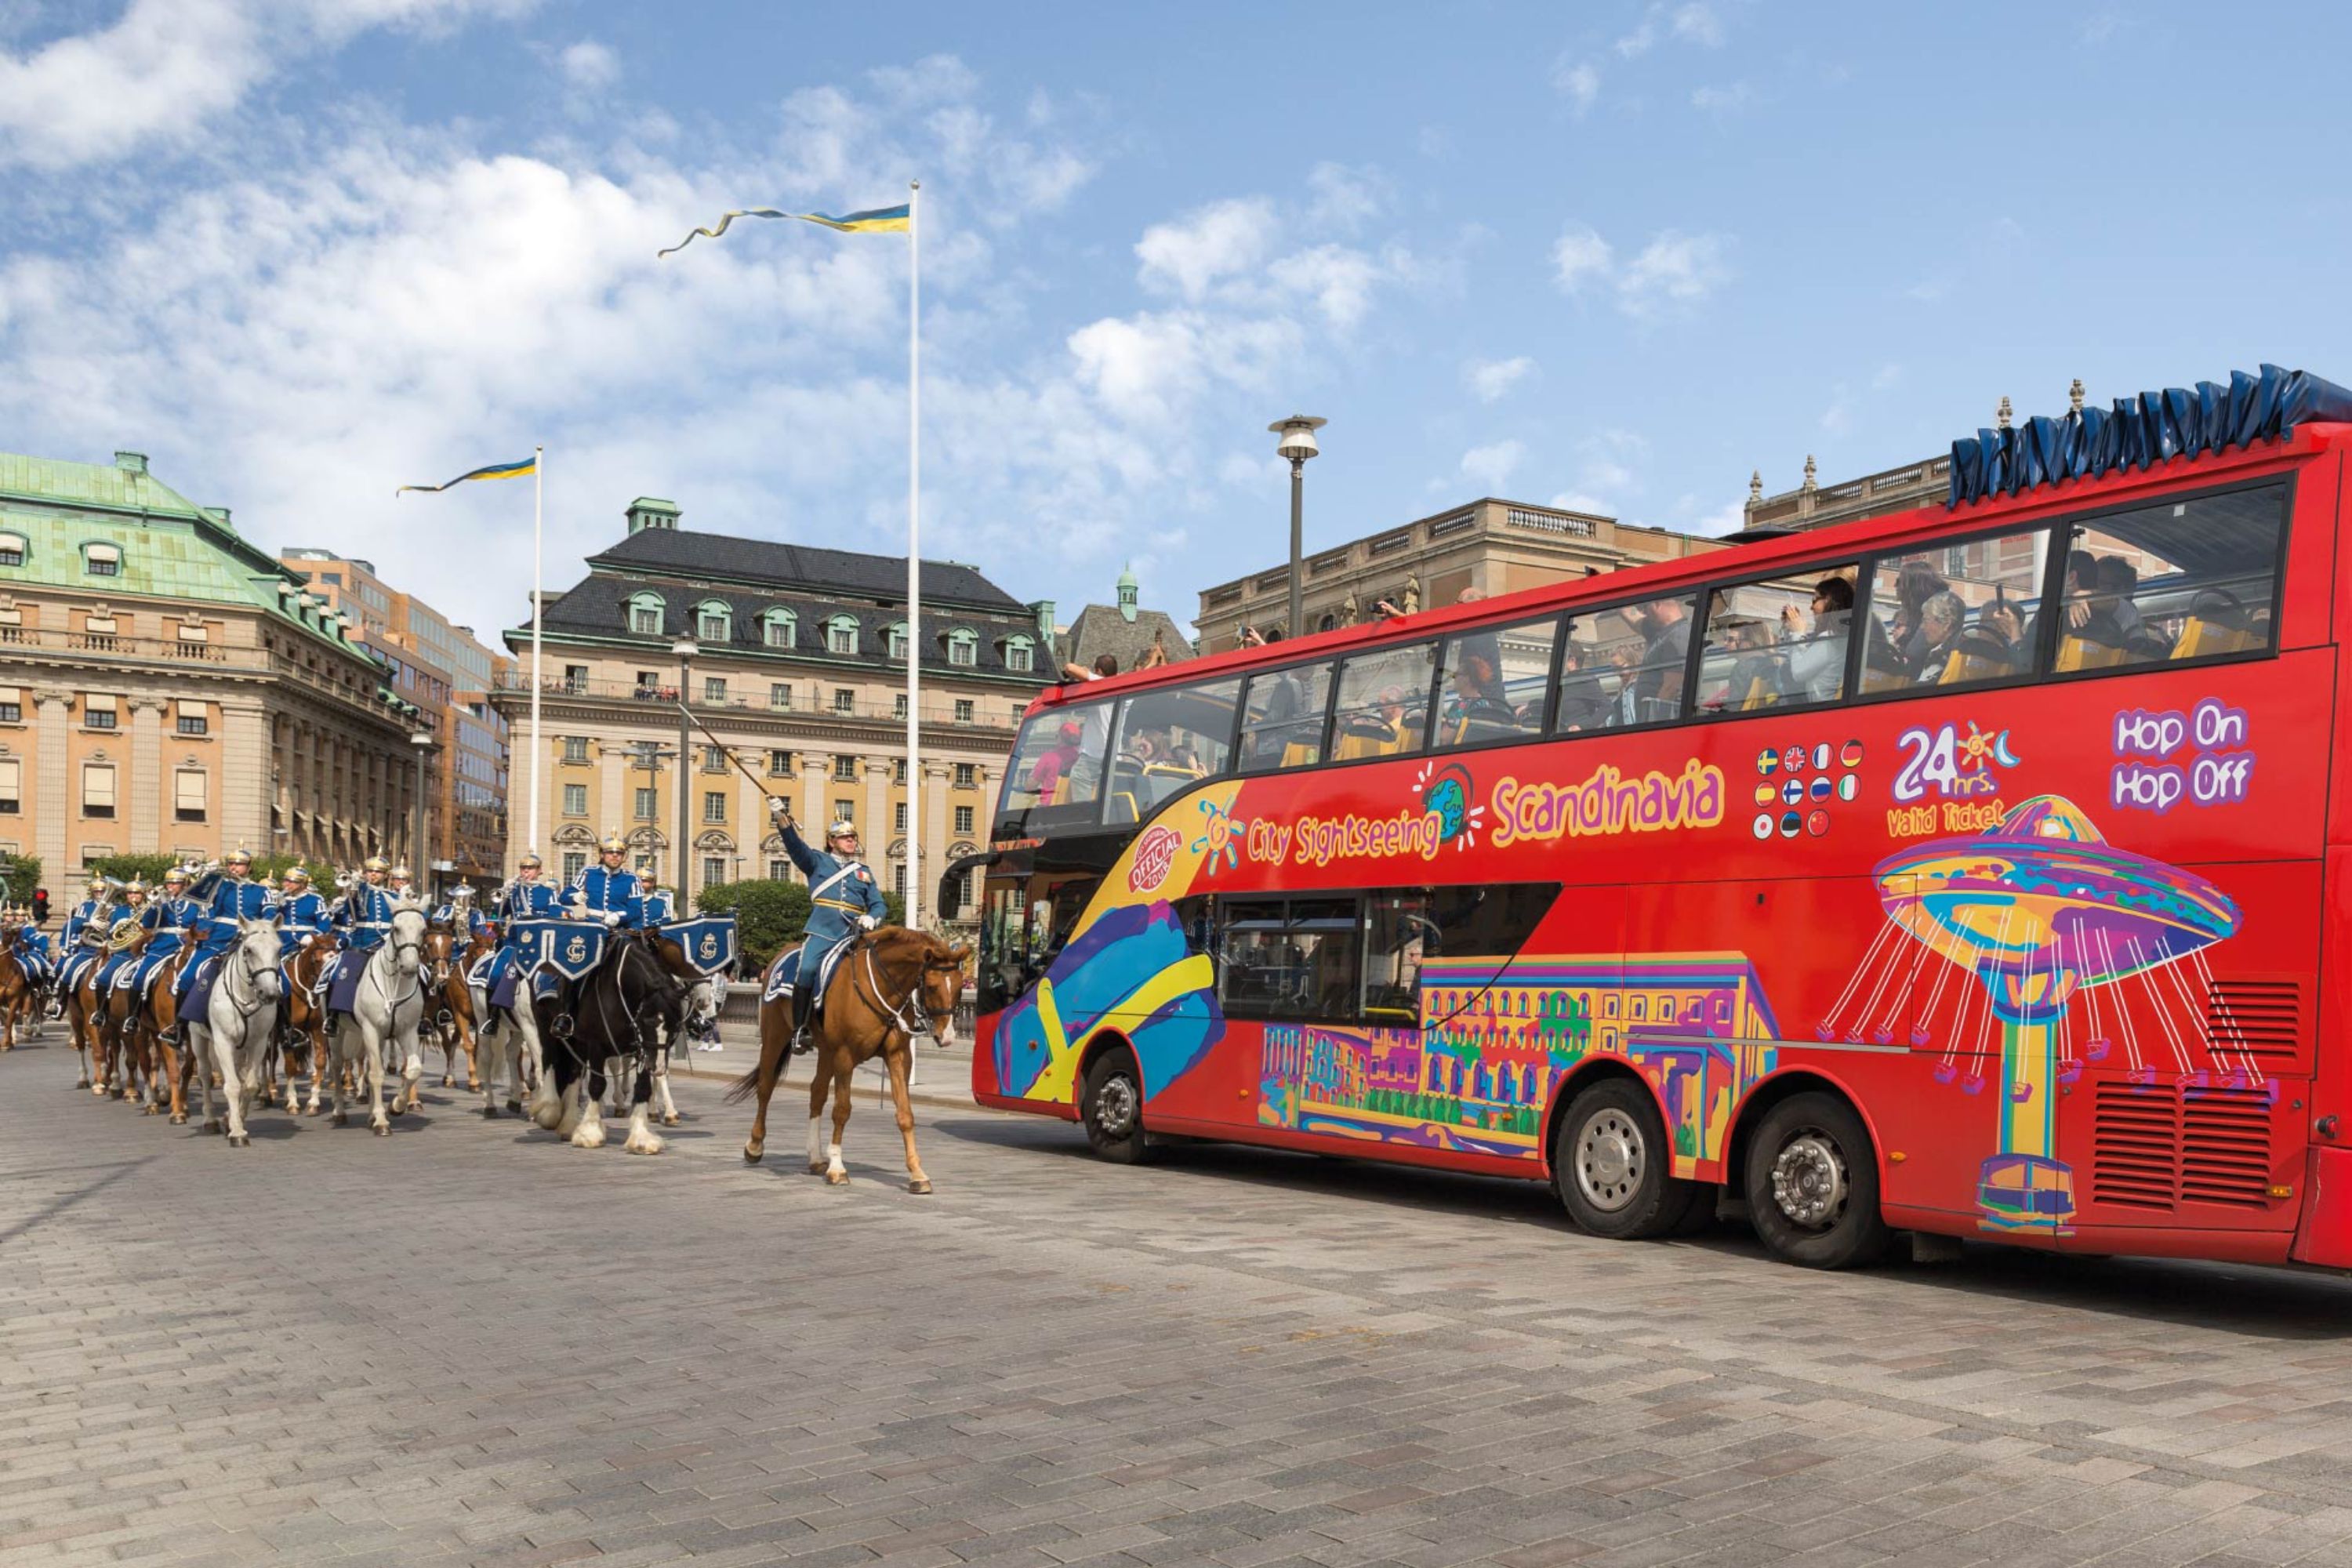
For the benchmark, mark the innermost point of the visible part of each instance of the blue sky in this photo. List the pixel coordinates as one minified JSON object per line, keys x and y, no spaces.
{"x":1616,"y":255}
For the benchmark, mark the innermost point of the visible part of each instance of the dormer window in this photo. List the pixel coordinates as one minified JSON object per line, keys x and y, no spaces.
{"x":778,"y":628}
{"x":1020,"y":654}
{"x":841,"y":635}
{"x":13,"y":549}
{"x":103,"y":560}
{"x":895,"y":641}
{"x":646,"y":614}
{"x":714,"y":622}
{"x":964,"y":648}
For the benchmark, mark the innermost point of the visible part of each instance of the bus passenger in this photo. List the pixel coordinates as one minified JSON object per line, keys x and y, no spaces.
{"x":1816,"y":666}
{"x":1049,"y":770}
{"x":1939,"y":637}
{"x":1582,"y":703}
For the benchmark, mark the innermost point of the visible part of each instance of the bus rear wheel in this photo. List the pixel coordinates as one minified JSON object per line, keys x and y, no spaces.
{"x":1112,"y":1107}
{"x":1610,"y":1162}
{"x":1812,"y":1185}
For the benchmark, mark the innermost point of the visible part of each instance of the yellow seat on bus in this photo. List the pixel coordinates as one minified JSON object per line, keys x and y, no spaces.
{"x":1298,"y":754}
{"x":1122,"y":806}
{"x":1760,"y":695}
{"x":2201,"y":638}
{"x":2081,"y":653}
{"x":1883,"y":679}
{"x":1963,"y":667}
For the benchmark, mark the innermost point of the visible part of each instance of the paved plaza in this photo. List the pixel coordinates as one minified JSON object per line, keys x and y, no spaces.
{"x":470,"y":1345}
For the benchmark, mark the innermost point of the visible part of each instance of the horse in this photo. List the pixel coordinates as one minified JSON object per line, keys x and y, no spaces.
{"x":148,"y":1049}
{"x":616,"y":1012}
{"x":19,"y":995}
{"x":451,"y":1014}
{"x":135,"y":1049}
{"x":232,"y":1040}
{"x":892,"y":984}
{"x":507,"y":1043}
{"x":302,"y":1017}
{"x":386,"y":1009}
{"x":85,"y":1012}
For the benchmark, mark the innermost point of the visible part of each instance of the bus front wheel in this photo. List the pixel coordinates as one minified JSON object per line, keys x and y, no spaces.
{"x":1611,"y":1163}
{"x":1812,"y":1185}
{"x":1112,"y":1107}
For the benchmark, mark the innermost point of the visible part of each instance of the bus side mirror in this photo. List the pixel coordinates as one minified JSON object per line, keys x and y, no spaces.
{"x":952,"y":898}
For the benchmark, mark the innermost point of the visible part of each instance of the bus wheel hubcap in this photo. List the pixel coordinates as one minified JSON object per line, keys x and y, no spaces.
{"x":1115,"y":1106}
{"x":1808,"y":1180}
{"x":1608,"y":1161}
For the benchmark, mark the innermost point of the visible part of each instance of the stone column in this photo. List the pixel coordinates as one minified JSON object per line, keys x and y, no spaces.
{"x":877,"y":825}
{"x":148,"y":788}
{"x":55,"y":801}
{"x":614,"y":806}
{"x":816,"y":777}
{"x":935,"y":837}
{"x":751,"y":823}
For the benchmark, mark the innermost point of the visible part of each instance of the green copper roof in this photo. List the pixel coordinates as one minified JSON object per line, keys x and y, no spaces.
{"x":171,"y":547}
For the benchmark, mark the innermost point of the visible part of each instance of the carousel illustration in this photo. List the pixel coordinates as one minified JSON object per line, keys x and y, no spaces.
{"x":2043,"y":915}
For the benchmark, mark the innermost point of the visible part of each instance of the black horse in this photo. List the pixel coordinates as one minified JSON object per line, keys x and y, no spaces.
{"x":631,"y":1004}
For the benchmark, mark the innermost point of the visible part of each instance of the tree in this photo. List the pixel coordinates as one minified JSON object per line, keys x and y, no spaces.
{"x":148,"y":868}
{"x":24,"y":876}
{"x":768,"y":915}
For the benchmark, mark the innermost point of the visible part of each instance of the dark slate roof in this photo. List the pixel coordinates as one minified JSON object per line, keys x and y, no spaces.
{"x":1100,"y":629}
{"x":685,"y":552}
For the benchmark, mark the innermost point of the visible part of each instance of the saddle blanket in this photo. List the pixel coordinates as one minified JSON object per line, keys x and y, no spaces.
{"x":784,"y":972}
{"x":200,"y":991}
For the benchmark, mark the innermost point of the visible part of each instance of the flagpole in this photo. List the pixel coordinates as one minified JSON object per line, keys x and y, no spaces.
{"x":538,"y":616}
{"x":914,"y":555}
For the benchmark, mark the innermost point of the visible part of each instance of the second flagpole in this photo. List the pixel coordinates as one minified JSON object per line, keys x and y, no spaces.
{"x":538,"y":591}
{"x":914,"y":557}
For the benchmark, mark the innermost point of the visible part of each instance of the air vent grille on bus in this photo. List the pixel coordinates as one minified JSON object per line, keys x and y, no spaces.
{"x":2260,"y":1018}
{"x":2151,"y":1148}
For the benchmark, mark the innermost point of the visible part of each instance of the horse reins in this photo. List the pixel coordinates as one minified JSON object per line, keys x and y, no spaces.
{"x":922,"y":1023}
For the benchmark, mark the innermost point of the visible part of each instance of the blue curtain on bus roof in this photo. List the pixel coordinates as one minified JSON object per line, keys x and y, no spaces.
{"x":2143,"y":430}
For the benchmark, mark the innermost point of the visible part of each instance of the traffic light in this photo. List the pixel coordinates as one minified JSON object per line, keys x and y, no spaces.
{"x":40,"y":906}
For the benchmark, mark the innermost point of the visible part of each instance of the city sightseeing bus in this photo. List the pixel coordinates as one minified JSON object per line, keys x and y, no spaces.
{"x":1972,"y":872}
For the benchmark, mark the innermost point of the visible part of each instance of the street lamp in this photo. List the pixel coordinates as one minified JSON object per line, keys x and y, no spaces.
{"x":1297,"y":444}
{"x":423,"y":742}
{"x":686,"y":649}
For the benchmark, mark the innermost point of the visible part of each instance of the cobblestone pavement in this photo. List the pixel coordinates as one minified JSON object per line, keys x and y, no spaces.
{"x":470,"y":1344}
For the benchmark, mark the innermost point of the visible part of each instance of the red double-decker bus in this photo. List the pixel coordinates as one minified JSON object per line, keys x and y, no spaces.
{"x":1976,"y":871}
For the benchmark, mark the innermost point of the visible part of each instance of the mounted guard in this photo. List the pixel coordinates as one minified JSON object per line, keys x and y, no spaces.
{"x":366,"y":922}
{"x":843,"y":902}
{"x":83,"y":939}
{"x":228,"y":896}
{"x":607,"y":893}
{"x":168,"y":920}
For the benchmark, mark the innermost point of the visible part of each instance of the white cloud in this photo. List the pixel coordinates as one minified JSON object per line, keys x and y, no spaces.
{"x":1576,"y":80}
{"x":1694,"y":23}
{"x":1580,"y":255}
{"x":1674,"y":271}
{"x":1191,"y":254}
{"x":1697,"y":24}
{"x":589,"y":66}
{"x":1642,"y":40}
{"x":166,"y":67}
{"x":1731,"y":516}
{"x":1150,"y":368}
{"x":1338,"y":279}
{"x":1723,"y":102}
{"x":1584,"y":502}
{"x":1345,"y":199}
{"x":1490,"y":466}
{"x":1492,"y":379}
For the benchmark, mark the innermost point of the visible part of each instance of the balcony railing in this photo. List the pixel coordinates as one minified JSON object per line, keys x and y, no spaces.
{"x":601,"y":688}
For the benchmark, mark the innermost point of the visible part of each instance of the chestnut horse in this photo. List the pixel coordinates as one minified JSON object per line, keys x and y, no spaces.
{"x":134,"y":1025}
{"x":449,"y":1003}
{"x":19,"y":998}
{"x":890,"y":985}
{"x":302,"y":1018}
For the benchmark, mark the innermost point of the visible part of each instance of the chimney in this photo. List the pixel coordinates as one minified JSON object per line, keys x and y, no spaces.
{"x":131,"y":462}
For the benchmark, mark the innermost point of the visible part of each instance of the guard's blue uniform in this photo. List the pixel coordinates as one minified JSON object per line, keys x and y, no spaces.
{"x":33,"y":953}
{"x":170,"y":918}
{"x":366,"y":921}
{"x":660,"y":909}
{"x":304,"y":914}
{"x":839,"y":892}
{"x":521,"y":901}
{"x":227,"y":899}
{"x":83,"y":913}
{"x":86,"y":949}
{"x":475,"y":923}
{"x":597,"y":892}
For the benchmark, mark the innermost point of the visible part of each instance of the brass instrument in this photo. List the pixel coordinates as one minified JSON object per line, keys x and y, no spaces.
{"x":122,"y":934}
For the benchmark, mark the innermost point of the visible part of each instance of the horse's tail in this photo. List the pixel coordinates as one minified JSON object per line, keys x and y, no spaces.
{"x":744,"y":1088}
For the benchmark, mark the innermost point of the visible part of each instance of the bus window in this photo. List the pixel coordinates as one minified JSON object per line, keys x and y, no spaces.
{"x":1493,"y":685}
{"x":1777,"y":643}
{"x":1058,"y":761}
{"x":1282,"y":718}
{"x":1624,"y":665}
{"x":1164,"y":740}
{"x":1400,"y":931}
{"x":2186,"y":579}
{"x":1955,"y":615}
{"x":1491,"y":923}
{"x":1383,"y":707}
{"x":1290,"y":959}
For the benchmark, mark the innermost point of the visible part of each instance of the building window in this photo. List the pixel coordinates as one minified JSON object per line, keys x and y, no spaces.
{"x":963,"y":711}
{"x":714,"y":623}
{"x":11,"y":786}
{"x":841,"y":635}
{"x":648,"y":804}
{"x":844,"y":811}
{"x":646,"y":614}
{"x":777,"y":628}
{"x":103,"y":560}
{"x":714,"y":689}
{"x":98,"y":712}
{"x":779,"y":694}
{"x":12,"y":549}
{"x":575,"y":677}
{"x":780,"y":871}
{"x":714,"y":806}
{"x":190,"y":718}
{"x":575,"y":748}
{"x":899,"y":706}
{"x":845,"y":769}
{"x":898,"y":770}
{"x":714,"y":871}
{"x":98,"y":789}
{"x":967,"y":775}
{"x":844,"y":700}
{"x":714,"y":759}
{"x":899,"y":817}
{"x":894,"y":642}
{"x":963,"y":648}
{"x":899,"y":879}
{"x":963,"y":819}
{"x":1019,"y":655}
{"x":780,"y":763}
{"x":575,"y":800}
{"x":188,"y":794}
{"x":574,"y":862}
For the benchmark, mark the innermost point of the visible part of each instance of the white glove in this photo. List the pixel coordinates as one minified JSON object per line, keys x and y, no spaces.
{"x":866,"y":923}
{"x":612,"y":917}
{"x":779,"y":807}
{"x":306,"y":941}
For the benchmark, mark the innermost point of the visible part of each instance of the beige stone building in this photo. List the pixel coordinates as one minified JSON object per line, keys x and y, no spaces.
{"x":1494,"y":546}
{"x":1815,"y":505}
{"x":165,"y":687}
{"x":798,"y":664}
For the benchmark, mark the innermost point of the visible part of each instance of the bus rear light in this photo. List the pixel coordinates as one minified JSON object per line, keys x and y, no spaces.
{"x":2281,"y":1192}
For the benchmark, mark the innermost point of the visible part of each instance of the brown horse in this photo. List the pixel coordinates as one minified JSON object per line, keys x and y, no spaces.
{"x":302,"y":1018}
{"x":166,"y":1064}
{"x":449,"y":1003}
{"x":86,"y":1023}
{"x":132,"y":1046}
{"x":891,"y":985}
{"x":19,"y":998}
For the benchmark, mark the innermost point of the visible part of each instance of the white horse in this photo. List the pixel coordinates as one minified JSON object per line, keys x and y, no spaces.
{"x":233,"y":1040}
{"x":385,"y":1012}
{"x":507,"y":1044}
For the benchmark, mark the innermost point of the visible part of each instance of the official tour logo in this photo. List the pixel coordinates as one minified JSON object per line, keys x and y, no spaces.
{"x":1155,"y":855}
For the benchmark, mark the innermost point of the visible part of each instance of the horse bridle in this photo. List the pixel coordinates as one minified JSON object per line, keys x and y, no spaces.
{"x":921,"y":1026}
{"x":252,"y":983}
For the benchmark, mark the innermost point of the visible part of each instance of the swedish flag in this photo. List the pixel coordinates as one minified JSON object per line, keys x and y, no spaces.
{"x":877,"y":220}
{"x":528,"y":467}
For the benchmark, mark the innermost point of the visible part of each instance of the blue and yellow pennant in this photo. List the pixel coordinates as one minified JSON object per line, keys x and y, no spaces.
{"x":529,"y":466}
{"x":880,"y":220}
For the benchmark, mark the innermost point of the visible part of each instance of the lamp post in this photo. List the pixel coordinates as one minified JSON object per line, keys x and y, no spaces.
{"x":685,"y":649}
{"x":1297,"y":444}
{"x":423,"y":741}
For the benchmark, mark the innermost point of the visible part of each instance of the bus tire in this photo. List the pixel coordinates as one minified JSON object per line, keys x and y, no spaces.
{"x":1112,"y":1107}
{"x":1812,"y":1185}
{"x":1611,"y":1163}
